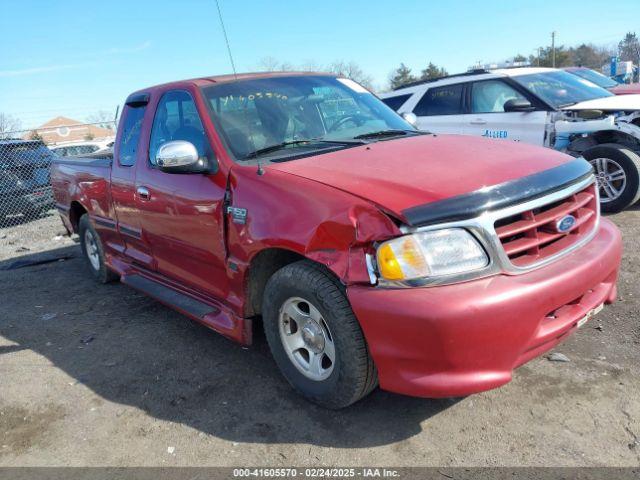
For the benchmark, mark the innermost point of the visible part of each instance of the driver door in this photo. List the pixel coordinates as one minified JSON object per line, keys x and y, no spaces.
{"x":487,"y":117}
{"x":181,"y":214}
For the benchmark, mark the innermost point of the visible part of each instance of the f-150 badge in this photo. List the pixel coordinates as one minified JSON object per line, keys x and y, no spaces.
{"x":239,"y":215}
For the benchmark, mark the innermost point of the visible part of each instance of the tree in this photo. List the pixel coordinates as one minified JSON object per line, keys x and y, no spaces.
{"x":352,"y":71}
{"x":629,"y":48}
{"x":401,"y":76}
{"x":272,"y":64}
{"x":268,"y":64}
{"x":102,"y":118}
{"x":433,"y":71}
{"x":590,"y":56}
{"x":563,"y":57}
{"x":34,"y":135}
{"x":9,"y":126}
{"x":312,"y":66}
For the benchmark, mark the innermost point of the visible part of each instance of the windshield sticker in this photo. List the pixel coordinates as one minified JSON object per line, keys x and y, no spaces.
{"x":251,"y":97}
{"x":356,"y":87}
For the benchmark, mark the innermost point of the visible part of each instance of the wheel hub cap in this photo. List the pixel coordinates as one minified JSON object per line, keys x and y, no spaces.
{"x":610,"y":178}
{"x":306,"y":338}
{"x":313,"y":337}
{"x":91,"y":248}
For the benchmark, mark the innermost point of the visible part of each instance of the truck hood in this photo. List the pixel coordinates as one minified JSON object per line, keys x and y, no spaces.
{"x":402,"y":173}
{"x":615,"y":103}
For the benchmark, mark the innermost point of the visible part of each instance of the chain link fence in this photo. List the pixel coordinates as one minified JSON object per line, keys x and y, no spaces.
{"x":29,"y":221}
{"x":25,"y":187}
{"x":25,"y":164}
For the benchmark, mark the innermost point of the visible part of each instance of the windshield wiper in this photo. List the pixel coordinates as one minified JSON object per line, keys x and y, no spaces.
{"x":280,"y":146}
{"x":387,"y":133}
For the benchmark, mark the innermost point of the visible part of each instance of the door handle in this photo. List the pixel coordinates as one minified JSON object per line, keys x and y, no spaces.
{"x":143,"y":193}
{"x":478,"y":121}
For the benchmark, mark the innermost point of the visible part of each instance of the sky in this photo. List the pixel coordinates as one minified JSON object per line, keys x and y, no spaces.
{"x":74,"y":57}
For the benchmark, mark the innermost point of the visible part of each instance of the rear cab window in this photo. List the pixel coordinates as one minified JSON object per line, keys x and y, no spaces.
{"x":130,"y":135}
{"x":445,"y":100}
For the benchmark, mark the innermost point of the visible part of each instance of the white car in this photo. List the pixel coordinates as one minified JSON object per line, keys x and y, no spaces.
{"x":541,"y":106}
{"x":75,"y":149}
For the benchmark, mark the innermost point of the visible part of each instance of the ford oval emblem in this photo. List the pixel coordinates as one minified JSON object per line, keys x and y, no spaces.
{"x":565,"y":223}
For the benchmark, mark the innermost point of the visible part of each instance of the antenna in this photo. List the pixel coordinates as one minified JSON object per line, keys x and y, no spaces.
{"x":226,"y":39}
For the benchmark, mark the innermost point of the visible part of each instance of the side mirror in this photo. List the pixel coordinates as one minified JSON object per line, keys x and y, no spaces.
{"x":518,"y":105}
{"x":410,"y":118}
{"x":180,"y":156}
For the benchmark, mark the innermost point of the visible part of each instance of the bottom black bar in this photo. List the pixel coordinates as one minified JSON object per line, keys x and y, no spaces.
{"x":223,"y":473}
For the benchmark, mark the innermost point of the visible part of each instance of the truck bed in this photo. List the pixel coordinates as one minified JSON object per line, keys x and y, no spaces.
{"x":82,"y":179}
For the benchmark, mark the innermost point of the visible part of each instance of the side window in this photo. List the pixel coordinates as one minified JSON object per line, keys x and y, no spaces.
{"x":396,"y":102}
{"x":490,"y":96}
{"x":130,"y":135}
{"x":177,"y":119}
{"x":445,"y":100}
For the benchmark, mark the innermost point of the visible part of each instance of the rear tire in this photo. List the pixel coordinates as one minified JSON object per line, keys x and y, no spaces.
{"x":308,"y":322}
{"x":93,"y":252}
{"x":617,"y":171}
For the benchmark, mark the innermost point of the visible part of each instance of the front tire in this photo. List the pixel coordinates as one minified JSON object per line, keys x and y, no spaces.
{"x":93,"y":251}
{"x":315,"y":338}
{"x":618,"y":175}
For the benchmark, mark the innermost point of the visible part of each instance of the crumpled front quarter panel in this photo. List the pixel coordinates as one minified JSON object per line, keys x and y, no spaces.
{"x":293,"y":213}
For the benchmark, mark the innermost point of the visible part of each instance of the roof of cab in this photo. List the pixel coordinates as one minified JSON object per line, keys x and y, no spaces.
{"x":204,"y":81}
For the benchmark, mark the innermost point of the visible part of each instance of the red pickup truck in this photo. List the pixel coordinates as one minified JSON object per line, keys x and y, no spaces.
{"x":372,"y":253}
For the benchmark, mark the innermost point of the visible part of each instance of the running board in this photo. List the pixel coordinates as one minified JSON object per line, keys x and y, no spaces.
{"x":170,"y":297}
{"x":221,"y":319}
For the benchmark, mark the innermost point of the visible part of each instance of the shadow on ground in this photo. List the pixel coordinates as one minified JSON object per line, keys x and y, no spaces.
{"x":132,"y":350}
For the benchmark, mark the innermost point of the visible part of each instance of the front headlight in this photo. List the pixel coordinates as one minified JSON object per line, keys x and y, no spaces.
{"x":428,"y":254}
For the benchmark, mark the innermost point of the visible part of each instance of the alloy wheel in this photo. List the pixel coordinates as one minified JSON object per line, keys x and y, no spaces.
{"x":610,"y":177}
{"x":91,"y":249}
{"x":306,"y":338}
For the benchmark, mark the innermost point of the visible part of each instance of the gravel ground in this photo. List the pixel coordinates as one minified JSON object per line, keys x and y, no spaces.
{"x":23,"y":238}
{"x":100,"y":375}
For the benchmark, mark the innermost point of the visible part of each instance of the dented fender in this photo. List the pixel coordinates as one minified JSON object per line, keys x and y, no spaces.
{"x":316,"y":221}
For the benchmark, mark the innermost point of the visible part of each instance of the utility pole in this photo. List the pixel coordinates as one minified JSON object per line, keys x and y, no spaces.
{"x":539,"y":54}
{"x":633,"y":74}
{"x":553,"y":49}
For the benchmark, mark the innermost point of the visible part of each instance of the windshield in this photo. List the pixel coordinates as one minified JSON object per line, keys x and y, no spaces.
{"x":295,"y":113}
{"x":595,"y":77}
{"x":561,"y":89}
